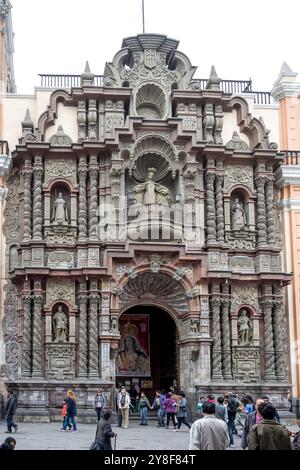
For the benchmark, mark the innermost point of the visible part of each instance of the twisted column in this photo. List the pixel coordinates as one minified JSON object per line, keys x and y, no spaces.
{"x":82,"y":212}
{"x":27,"y":208}
{"x":280,"y":341}
{"x":211,"y":211}
{"x":216,"y":347}
{"x":37,"y":336}
{"x":93,"y":222}
{"x":261,"y":211}
{"x":93,"y":335}
{"x":226,"y":351}
{"x":37,"y":199}
{"x":268,"y":337}
{"x":83,"y":339}
{"x":270,"y":212}
{"x":220,"y":208}
{"x":26,"y":340}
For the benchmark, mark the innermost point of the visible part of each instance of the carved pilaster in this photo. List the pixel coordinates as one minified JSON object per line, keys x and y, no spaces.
{"x":189,"y":183}
{"x":208,"y":123}
{"x":220,"y":208}
{"x":81,"y":120}
{"x":268,"y":338}
{"x":92,"y":120}
{"x":83,"y":340}
{"x":219,"y":118}
{"x":261,"y":211}
{"x":270,"y":214}
{"x":26,"y":340}
{"x":93,"y":219}
{"x":93,"y":331}
{"x":211,"y":211}
{"x":37,"y":333}
{"x":226,"y":351}
{"x":37,"y":199}
{"x":216,"y":333}
{"x":115,"y":182}
{"x":27,"y":212}
{"x":280,"y":341}
{"x":82,"y":212}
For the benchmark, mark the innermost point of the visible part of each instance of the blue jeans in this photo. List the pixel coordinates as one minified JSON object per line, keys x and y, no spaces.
{"x":231,"y":427}
{"x":10,"y":423}
{"x":67,"y":422}
{"x":144,"y":415}
{"x":160,"y":417}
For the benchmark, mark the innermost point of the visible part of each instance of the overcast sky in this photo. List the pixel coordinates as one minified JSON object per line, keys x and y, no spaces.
{"x":242,"y":39}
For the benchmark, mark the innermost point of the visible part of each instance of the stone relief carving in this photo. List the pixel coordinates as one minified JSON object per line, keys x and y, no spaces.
{"x":11,"y":227}
{"x":61,"y":260}
{"x":60,"y":361}
{"x":62,"y":168}
{"x":61,"y":238}
{"x":246,"y":365}
{"x":217,"y":261}
{"x":10,"y":332}
{"x":238,"y":174}
{"x":244,"y":329}
{"x":150,"y":192}
{"x":60,"y":326}
{"x":244,"y":241}
{"x":244,"y":295}
{"x":241,"y":264}
{"x":60,"y":289}
{"x":195,"y":327}
{"x":60,"y":138}
{"x":236,"y":143}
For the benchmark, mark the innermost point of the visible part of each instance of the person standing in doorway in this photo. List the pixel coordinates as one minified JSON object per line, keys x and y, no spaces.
{"x":124,"y":404}
{"x":71,"y":411}
{"x":143,"y":409}
{"x":10,"y":409}
{"x":100,"y":402}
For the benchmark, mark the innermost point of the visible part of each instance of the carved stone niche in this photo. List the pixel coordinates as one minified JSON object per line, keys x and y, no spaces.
{"x":246,"y":364}
{"x":60,"y":206}
{"x":60,"y":361}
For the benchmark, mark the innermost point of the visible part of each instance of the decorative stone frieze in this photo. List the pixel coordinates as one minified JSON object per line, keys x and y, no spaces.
{"x":269,"y":340}
{"x":217,"y":346}
{"x":60,"y":260}
{"x":58,"y":289}
{"x":60,"y":139}
{"x":11,"y":227}
{"x":82,"y":206}
{"x":10,"y":331}
{"x":60,"y":361}
{"x":93,"y":205}
{"x":210,"y":207}
{"x":218,"y":261}
{"x":261,"y":211}
{"x":220,"y":208}
{"x":246,"y":364}
{"x":81,"y":120}
{"x":225,"y":335}
{"x":242,"y":264}
{"x":238,"y":174}
{"x":61,"y":168}
{"x":243,"y":295}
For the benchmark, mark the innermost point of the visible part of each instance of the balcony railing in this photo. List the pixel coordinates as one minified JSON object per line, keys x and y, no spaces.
{"x":291,"y":157}
{"x":66,"y":81}
{"x":4,"y":149}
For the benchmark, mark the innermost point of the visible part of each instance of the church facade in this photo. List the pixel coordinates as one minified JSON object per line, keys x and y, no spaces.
{"x":143,"y":238}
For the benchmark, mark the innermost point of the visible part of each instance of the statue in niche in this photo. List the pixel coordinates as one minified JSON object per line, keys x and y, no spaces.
{"x":114,"y":325}
{"x":60,"y":211}
{"x":195,"y":327}
{"x":149,"y":192}
{"x":60,"y":326}
{"x":238,"y":216}
{"x":244,"y":329}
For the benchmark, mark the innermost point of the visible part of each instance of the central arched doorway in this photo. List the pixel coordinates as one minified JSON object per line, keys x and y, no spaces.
{"x":151,"y":361}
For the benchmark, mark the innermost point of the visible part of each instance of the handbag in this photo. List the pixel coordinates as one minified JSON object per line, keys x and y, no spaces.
{"x":94,"y":445}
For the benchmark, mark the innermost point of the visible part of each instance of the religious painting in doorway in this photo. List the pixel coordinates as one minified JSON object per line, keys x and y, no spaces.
{"x":133,"y":358}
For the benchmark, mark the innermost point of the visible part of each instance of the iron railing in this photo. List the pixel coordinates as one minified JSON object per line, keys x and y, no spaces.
{"x":4,"y":148}
{"x":291,"y":157}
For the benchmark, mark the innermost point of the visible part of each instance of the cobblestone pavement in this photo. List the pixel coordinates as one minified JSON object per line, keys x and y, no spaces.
{"x":48,"y":437}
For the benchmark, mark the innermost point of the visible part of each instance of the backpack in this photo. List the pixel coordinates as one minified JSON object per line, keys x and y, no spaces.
{"x":123,"y":400}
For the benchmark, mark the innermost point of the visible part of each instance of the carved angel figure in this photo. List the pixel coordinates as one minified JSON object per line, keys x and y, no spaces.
{"x":244,"y":329}
{"x":150,"y":192}
{"x":60,"y":326}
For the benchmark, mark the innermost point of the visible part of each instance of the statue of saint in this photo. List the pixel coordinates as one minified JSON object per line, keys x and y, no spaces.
{"x":238,"y":216}
{"x":60,"y":326}
{"x":59,"y":213}
{"x":244,"y":329}
{"x":150,"y":192}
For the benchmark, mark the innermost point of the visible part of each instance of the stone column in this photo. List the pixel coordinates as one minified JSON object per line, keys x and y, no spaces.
{"x":220,"y":208}
{"x":268,"y":337}
{"x":211,"y":211}
{"x":83,"y":343}
{"x":93,"y":219}
{"x":82,"y":215}
{"x":261,"y":211}
{"x":270,"y":212}
{"x":93,"y":330}
{"x":26,"y":340}
{"x":37,"y":330}
{"x":280,"y":340}
{"x":216,"y":347}
{"x":37,"y":199}
{"x":27,"y":211}
{"x":226,"y":351}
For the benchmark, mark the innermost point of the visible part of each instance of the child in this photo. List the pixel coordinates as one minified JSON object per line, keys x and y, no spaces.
{"x":64,"y":414}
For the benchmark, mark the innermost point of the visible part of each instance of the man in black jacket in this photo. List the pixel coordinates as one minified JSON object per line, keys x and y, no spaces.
{"x":10,"y":409}
{"x":8,"y":444}
{"x":251,"y":419}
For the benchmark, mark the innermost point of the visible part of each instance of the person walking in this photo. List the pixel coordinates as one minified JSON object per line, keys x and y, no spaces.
{"x":10,"y":409}
{"x":231,"y":411}
{"x":182,"y":412}
{"x":221,"y":410}
{"x":199,"y":405}
{"x":123,"y":404}
{"x":104,"y":431}
{"x":143,"y":406}
{"x":170,"y":407}
{"x":266,"y":399}
{"x":64,"y":415}
{"x":8,"y":444}
{"x":100,"y":403}
{"x":209,"y":432}
{"x":269,"y":434}
{"x":252,"y":418}
{"x":71,"y":411}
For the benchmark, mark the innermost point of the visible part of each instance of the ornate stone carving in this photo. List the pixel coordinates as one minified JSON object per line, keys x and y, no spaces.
{"x":211,"y":211}
{"x":280,"y":340}
{"x":220,"y":208}
{"x":58,"y":289}
{"x":68,"y":238}
{"x":10,"y":331}
{"x":93,"y":220}
{"x":83,"y":322}
{"x":27,"y":207}
{"x":189,"y":177}
{"x":60,"y":138}
{"x":242,"y":264}
{"x":115,"y":183}
{"x":269,"y":340}
{"x":150,"y":192}
{"x":81,"y":120}
{"x":37,"y":334}
{"x":11,"y":228}
{"x":246,"y":365}
{"x":183,"y":271}
{"x":37,"y":199}
{"x":270,"y":214}
{"x":244,"y":295}
{"x":242,"y":240}
{"x":114,"y":325}
{"x":193,"y":293}
{"x":92,"y":120}
{"x":60,"y":361}
{"x":261,"y":211}
{"x":238,"y":174}
{"x":60,"y":211}
{"x":60,"y":260}
{"x":245,"y":328}
{"x":217,"y":261}
{"x":60,"y":326}
{"x":93,"y":335}
{"x":237,"y":144}
{"x":26,"y":340}
{"x":216,"y":334}
{"x":61,"y":168}
{"x":82,"y":212}
{"x":219,"y":118}
{"x":238,"y":215}
{"x":195,"y":327}
{"x":208,"y":123}
{"x":225,"y":330}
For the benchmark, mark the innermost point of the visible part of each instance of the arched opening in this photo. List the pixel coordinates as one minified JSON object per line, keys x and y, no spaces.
{"x":147,"y":354}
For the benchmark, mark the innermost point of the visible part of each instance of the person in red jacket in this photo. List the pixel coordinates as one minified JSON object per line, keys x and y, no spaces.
{"x":64,"y":415}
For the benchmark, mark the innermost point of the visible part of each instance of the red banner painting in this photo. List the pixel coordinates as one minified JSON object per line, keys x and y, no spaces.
{"x":133,"y":357}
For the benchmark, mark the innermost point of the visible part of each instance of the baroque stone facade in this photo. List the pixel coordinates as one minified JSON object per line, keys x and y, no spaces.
{"x":150,"y":165}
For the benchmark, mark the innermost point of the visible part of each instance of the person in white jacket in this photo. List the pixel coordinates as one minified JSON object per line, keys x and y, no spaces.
{"x":209,"y":432}
{"x":123,"y":405}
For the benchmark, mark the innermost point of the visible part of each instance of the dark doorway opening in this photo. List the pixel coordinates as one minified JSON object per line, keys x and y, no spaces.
{"x":163,"y":352}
